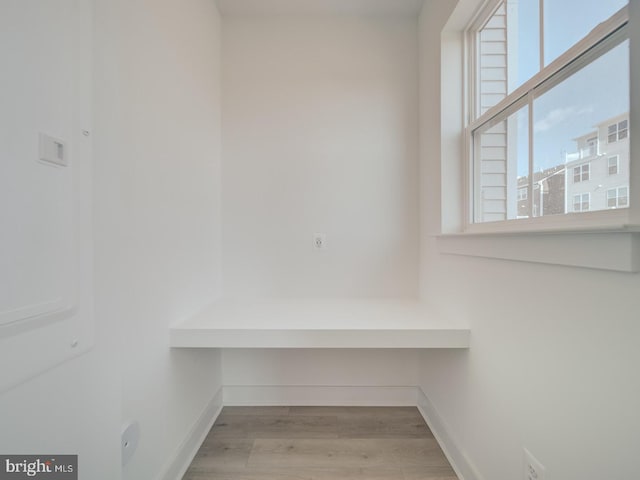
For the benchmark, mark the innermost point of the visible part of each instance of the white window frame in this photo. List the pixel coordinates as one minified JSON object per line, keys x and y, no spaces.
{"x":523,"y":193}
{"x":617,"y":164}
{"x":617,"y":132}
{"x":617,"y":197}
{"x":581,"y":202}
{"x":582,"y":171}
{"x":592,"y":147}
{"x":606,"y":36}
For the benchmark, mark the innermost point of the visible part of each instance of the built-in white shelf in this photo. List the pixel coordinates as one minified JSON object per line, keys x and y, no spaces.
{"x":318,"y":324}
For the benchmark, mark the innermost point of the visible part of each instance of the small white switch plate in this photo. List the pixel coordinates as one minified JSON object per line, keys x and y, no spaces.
{"x":319,"y":241}
{"x":533,"y":469}
{"x":53,"y":150}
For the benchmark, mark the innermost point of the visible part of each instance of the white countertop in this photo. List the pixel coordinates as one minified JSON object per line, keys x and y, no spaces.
{"x":318,"y":323}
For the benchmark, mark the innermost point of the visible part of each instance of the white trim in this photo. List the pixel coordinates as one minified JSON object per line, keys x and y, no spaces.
{"x":181,"y":459}
{"x":531,"y":159}
{"x":617,"y":196}
{"x":459,"y":460}
{"x":591,"y":221}
{"x":28,"y":312}
{"x":594,"y":45}
{"x":541,"y":33}
{"x":617,"y":159}
{"x":581,"y":173}
{"x":614,"y":251}
{"x":472,"y":41}
{"x":580,"y":198}
{"x":325,"y":395}
{"x":484,"y":13}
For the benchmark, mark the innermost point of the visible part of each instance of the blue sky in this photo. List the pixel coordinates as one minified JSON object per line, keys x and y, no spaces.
{"x":596,"y":93}
{"x":571,"y":109}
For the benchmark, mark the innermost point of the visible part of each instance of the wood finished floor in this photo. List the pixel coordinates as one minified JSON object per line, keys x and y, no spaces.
{"x":320,"y":443}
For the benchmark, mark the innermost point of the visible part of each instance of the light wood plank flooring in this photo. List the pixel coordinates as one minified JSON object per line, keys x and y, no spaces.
{"x":320,"y":443}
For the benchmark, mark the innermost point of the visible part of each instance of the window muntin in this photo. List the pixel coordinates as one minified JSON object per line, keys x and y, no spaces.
{"x":613,"y":165}
{"x":618,"y":131}
{"x":581,"y":173}
{"x":582,"y":202}
{"x":592,"y":148}
{"x":559,"y":100}
{"x":523,"y":193}
{"x":618,"y":197}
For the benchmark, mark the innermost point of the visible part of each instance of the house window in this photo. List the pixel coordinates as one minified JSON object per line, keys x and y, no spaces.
{"x":523,"y":194}
{"x":537,"y":90}
{"x":581,"y":202}
{"x":618,"y":131}
{"x":613,"y":165}
{"x":581,"y":173}
{"x":592,"y":147}
{"x":618,"y":197}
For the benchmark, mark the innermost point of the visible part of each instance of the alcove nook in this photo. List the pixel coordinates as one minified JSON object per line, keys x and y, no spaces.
{"x":320,"y":207}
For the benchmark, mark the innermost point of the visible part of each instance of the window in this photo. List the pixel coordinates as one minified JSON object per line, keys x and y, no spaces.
{"x":581,"y":173}
{"x":540,"y":101}
{"x":581,"y":202}
{"x":613,"y":164}
{"x":592,"y":148}
{"x":618,"y":197}
{"x":618,"y":131}
{"x":522,"y":194}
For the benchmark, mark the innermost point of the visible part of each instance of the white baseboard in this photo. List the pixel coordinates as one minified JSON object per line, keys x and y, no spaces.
{"x":314,"y":395}
{"x":450,"y":446}
{"x":179,"y":462}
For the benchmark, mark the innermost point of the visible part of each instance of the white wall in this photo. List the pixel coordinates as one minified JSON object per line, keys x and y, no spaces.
{"x":73,"y":407}
{"x":319,"y":136}
{"x":320,"y":376}
{"x":553,"y":361}
{"x":157,"y":215}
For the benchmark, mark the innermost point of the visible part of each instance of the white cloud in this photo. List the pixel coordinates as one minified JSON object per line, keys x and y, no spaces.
{"x":559,"y":115}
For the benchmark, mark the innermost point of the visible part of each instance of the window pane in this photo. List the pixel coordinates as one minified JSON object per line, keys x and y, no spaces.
{"x":501,"y":166}
{"x":509,"y":50}
{"x":566,"y":22}
{"x":623,"y":197}
{"x":493,"y":60}
{"x":567,"y":117}
{"x":523,"y":40}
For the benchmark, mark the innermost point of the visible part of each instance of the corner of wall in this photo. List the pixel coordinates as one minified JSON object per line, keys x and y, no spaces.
{"x":459,"y":460}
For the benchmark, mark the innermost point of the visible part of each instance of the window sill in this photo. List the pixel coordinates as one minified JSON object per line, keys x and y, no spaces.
{"x":615,"y":248}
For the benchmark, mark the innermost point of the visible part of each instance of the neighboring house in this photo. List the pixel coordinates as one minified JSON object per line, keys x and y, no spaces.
{"x":598,"y":172}
{"x":548,"y":193}
{"x":594,"y":177}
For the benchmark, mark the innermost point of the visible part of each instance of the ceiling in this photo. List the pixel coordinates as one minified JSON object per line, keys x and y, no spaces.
{"x":316,"y":7}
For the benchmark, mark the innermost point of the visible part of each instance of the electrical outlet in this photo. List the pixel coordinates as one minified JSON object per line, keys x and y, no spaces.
{"x":319,"y":241}
{"x":533,"y":469}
